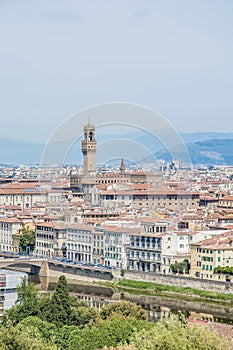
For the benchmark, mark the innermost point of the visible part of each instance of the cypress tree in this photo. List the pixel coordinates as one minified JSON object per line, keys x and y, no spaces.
{"x":59,"y":308}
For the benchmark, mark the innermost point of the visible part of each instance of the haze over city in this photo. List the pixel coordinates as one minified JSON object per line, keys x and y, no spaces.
{"x":116,"y":175}
{"x":58,"y":57}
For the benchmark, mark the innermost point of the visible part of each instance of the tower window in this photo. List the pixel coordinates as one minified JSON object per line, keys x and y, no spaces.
{"x":90,"y":136}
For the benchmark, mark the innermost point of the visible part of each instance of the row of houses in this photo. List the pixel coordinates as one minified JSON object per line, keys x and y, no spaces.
{"x":144,"y":245}
{"x":108,"y":245}
{"x":27,"y":195}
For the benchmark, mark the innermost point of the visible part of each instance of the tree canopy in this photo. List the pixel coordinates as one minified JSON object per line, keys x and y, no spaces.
{"x":58,"y":310}
{"x":181,"y":267}
{"x":226,"y":270}
{"x":124,"y":308}
{"x":59,"y":321}
{"x":27,"y":239}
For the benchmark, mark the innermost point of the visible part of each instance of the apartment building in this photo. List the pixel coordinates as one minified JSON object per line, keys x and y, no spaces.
{"x":175,"y":248}
{"x":51,"y":238}
{"x":149,"y":198}
{"x":145,"y":250}
{"x":27,"y":195}
{"x":116,"y":246}
{"x":98,"y":246}
{"x":210,"y":253}
{"x":23,"y":195}
{"x":226,"y":202}
{"x":9,"y":281}
{"x":9,"y":227}
{"x":79,"y":243}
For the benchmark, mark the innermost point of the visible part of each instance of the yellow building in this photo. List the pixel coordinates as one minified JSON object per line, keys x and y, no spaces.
{"x":211,"y":253}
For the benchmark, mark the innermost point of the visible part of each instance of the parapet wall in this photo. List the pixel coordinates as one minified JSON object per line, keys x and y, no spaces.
{"x":51,"y":269}
{"x":181,"y":281}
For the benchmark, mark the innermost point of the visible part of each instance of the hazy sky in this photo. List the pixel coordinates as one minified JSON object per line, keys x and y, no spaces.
{"x":60,"y":56}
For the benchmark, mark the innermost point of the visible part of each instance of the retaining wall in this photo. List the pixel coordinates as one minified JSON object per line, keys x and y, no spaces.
{"x":181,"y":281}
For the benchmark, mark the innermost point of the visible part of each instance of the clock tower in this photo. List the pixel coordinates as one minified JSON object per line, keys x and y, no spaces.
{"x":89,"y":150}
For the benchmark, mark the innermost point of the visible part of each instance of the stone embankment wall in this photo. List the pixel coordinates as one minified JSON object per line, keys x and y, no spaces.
{"x":181,"y":281}
{"x":155,"y":303}
{"x":87,"y":274}
{"x":52,"y":269}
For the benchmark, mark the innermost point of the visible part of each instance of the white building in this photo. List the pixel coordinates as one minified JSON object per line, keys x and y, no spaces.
{"x":51,"y":239}
{"x":8,"y":228}
{"x":79,"y":243}
{"x":116,"y":246}
{"x":176,"y":245}
{"x":9,"y":281}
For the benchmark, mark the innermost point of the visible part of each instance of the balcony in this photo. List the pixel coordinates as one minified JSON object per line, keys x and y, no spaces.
{"x":146,"y":247}
{"x":151,"y":260}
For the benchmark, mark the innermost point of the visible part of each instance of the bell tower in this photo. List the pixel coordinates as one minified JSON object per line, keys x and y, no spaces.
{"x":89,"y":150}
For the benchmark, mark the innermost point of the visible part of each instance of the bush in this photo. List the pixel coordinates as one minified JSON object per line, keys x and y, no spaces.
{"x":173,"y":334}
{"x":124,"y":308}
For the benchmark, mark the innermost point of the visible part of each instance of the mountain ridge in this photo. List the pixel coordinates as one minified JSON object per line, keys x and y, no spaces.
{"x":214,"y":151}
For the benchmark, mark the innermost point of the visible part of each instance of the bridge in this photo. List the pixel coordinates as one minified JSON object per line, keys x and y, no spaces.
{"x":53,"y":268}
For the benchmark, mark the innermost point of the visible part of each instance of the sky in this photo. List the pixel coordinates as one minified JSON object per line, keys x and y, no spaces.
{"x":61,"y":56}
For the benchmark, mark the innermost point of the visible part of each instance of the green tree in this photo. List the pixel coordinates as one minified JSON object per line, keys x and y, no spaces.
{"x":109,"y":333}
{"x":81,"y":316}
{"x":181,"y":267}
{"x":29,"y":338}
{"x":62,"y":218}
{"x":27,"y":240}
{"x":124,"y":308}
{"x":172,"y":334}
{"x":27,"y":293}
{"x":47,"y":331}
{"x":59,"y":305}
{"x":65,"y":334}
{"x":224,"y":270}
{"x":27,"y":303}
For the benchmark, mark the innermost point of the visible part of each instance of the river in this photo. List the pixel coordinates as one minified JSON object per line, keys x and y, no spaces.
{"x":157,"y":307}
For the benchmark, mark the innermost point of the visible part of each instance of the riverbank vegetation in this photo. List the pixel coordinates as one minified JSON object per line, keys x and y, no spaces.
{"x":186,"y":293}
{"x":59,"y":321}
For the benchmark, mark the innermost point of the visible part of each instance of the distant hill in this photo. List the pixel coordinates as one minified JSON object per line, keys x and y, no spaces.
{"x":209,"y":152}
{"x":19,"y":152}
{"x":203,"y":136}
{"x":204,"y":148}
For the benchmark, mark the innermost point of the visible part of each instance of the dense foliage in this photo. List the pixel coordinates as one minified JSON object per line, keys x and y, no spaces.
{"x":181,"y":267}
{"x":226,"y":270}
{"x":60,"y":321}
{"x":27,"y":240}
{"x":173,"y":334}
{"x":124,"y":308}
